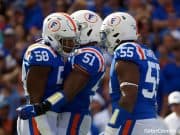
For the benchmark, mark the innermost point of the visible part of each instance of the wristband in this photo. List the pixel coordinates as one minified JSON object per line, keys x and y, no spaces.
{"x":57,"y":100}
{"x":42,"y":108}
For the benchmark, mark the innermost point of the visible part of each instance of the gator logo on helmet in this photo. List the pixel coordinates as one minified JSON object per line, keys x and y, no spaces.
{"x":114,"y":20}
{"x":92,"y":18}
{"x":54,"y":25}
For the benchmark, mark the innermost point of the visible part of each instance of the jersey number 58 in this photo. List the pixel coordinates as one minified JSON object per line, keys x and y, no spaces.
{"x":41,"y":55}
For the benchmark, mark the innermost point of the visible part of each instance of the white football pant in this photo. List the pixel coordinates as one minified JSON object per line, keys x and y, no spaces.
{"x":52,"y":123}
{"x":140,"y":127}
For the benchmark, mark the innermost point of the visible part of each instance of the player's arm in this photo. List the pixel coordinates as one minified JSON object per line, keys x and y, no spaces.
{"x":128,"y":76}
{"x":36,"y":82}
{"x":40,"y":65}
{"x":75,"y":82}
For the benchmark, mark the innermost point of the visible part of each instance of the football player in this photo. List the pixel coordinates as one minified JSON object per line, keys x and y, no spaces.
{"x":134,"y":78}
{"x":85,"y":70}
{"x":43,"y":72}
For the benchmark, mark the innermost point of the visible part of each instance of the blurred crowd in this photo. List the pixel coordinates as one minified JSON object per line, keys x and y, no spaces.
{"x":20,"y":25}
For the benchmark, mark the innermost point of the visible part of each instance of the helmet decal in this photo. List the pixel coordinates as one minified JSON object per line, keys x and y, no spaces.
{"x":91,"y":17}
{"x":54,"y":25}
{"x":114,"y":20}
{"x":71,"y":21}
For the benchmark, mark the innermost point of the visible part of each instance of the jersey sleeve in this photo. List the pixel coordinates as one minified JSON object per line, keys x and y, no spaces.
{"x":90,"y":61}
{"x":129,"y":52}
{"x":40,"y":56}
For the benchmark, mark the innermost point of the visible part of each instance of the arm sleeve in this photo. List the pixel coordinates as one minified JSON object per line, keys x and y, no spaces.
{"x":89,"y":62}
{"x":40,"y":57}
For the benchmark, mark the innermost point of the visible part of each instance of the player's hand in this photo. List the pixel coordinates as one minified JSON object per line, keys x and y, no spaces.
{"x":31,"y":110}
{"x":26,"y":111}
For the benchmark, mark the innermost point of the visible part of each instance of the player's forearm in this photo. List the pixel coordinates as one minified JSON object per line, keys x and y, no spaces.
{"x":55,"y":101}
{"x":34,"y":98}
{"x":32,"y":110}
{"x":129,"y":96}
{"x":127,"y":105}
{"x":118,"y":119}
{"x":75,"y":82}
{"x":36,"y":82}
{"x":71,"y":89}
{"x":123,"y":110}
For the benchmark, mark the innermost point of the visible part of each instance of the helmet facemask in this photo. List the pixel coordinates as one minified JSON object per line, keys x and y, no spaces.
{"x":68,"y":44}
{"x":107,"y":40}
{"x":82,"y":28}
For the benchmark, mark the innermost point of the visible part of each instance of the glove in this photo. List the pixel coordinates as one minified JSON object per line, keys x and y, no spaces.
{"x":32,"y":110}
{"x":26,"y":111}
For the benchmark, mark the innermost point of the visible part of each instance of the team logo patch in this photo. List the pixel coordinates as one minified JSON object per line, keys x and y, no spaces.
{"x":115,"y":20}
{"x":54,"y":25}
{"x":91,"y":17}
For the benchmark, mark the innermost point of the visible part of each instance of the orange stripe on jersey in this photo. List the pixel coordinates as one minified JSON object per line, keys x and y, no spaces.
{"x":140,"y":52}
{"x":81,"y":69}
{"x":75,"y":124}
{"x":35,"y":129}
{"x":99,"y":55}
{"x":35,"y":46}
{"x":127,"y":127}
{"x":71,"y":20}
